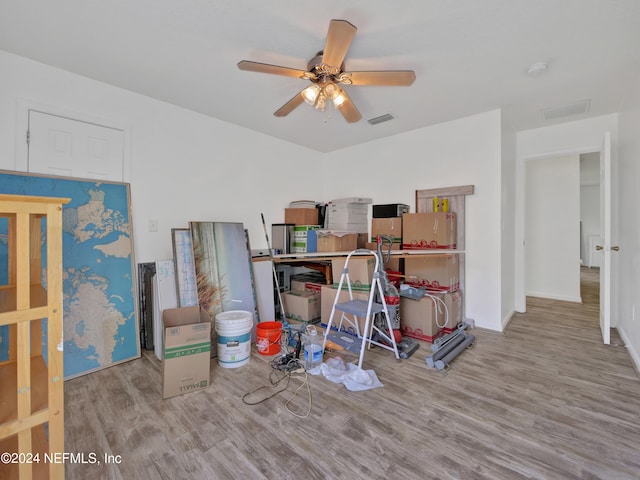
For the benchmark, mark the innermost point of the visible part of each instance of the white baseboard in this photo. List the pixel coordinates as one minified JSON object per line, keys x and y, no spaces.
{"x":507,"y":319}
{"x":551,"y":296}
{"x":633,"y":349}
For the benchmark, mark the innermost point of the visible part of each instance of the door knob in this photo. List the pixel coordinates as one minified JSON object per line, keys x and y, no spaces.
{"x":616,"y":248}
{"x":599,"y":247}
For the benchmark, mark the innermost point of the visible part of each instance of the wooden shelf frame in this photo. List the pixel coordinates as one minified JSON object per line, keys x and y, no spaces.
{"x":457,"y":203}
{"x":32,"y":389}
{"x":321,"y":256}
{"x":324,"y":259}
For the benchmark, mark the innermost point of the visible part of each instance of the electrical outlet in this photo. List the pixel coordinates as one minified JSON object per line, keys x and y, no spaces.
{"x":153,"y":225}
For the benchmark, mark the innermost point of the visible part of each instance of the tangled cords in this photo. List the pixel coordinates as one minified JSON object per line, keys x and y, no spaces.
{"x":292,"y":368}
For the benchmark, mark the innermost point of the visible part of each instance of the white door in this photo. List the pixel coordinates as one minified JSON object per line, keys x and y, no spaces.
{"x":72,"y":148}
{"x":605,"y":247}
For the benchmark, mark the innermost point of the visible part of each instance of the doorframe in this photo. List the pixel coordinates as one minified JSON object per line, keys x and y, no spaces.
{"x":23,"y":106}
{"x":520,"y":253}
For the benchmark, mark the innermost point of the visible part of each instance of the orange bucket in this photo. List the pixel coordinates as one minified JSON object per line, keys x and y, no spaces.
{"x":268,"y":336}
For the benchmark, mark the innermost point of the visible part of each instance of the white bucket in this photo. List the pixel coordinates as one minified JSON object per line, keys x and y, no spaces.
{"x":234,"y":338}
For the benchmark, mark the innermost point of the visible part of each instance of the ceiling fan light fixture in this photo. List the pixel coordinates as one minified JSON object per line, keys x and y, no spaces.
{"x":310,"y":94}
{"x":339,"y":98}
{"x":332,"y":91}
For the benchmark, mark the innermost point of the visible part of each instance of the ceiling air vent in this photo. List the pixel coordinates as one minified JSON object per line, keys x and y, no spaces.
{"x":566,"y":111}
{"x":382,"y":118}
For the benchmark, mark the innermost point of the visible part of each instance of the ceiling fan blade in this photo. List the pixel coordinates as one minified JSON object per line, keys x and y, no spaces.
{"x":273,"y":69}
{"x":338,"y":41}
{"x":291,"y":105}
{"x":384,"y":78}
{"x":348,"y":109}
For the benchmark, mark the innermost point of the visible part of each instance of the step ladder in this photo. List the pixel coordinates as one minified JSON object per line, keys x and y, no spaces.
{"x":367,"y":309}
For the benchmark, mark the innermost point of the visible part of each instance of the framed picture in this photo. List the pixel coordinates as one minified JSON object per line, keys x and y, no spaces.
{"x":186,"y":288}
{"x":100,"y":318}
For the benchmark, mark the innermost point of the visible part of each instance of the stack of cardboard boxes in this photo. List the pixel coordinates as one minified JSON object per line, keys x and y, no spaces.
{"x":305,"y":224}
{"x":348,"y":214}
{"x":439,"y":274}
{"x":302,"y":302}
{"x":425,"y":319}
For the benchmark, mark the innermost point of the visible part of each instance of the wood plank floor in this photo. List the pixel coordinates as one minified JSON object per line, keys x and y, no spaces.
{"x":543,"y":400}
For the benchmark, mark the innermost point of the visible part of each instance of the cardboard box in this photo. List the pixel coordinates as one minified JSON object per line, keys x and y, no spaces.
{"x":453,"y":302}
{"x":327,"y":297}
{"x":311,"y":282}
{"x":361,"y":228}
{"x":429,"y":230}
{"x":302,"y":306}
{"x":390,"y":226}
{"x":351,"y":200}
{"x":438,"y":272}
{"x":419,"y":319}
{"x":348,"y":212}
{"x":333,"y":241}
{"x":305,"y":239}
{"x":301,"y":216}
{"x":360,"y":271}
{"x":302,"y":231}
{"x":186,"y":350}
{"x":362,"y":240}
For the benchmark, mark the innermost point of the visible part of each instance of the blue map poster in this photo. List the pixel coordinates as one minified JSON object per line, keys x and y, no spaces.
{"x":100,"y":321}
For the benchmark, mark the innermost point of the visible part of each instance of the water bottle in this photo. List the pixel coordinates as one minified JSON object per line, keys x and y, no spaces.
{"x":312,"y":348}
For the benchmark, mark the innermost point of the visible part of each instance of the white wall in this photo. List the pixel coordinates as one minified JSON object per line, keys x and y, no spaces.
{"x":577,"y":137}
{"x":508,"y":222}
{"x":552,"y":228}
{"x":462,"y":152}
{"x":185,"y":166}
{"x":629,"y":231}
{"x":590,"y":217}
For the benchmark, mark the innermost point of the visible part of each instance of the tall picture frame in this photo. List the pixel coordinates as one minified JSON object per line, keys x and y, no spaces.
{"x":100,"y":313}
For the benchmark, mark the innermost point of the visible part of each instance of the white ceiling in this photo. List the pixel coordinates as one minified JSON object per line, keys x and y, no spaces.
{"x":470,"y":56}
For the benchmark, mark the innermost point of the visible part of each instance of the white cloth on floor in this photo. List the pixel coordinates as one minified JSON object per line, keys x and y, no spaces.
{"x":354,"y":378}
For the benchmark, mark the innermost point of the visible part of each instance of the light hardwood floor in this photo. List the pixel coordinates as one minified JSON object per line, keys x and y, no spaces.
{"x":544,"y":400}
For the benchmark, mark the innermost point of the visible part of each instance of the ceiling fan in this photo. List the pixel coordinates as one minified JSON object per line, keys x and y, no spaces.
{"x":326,"y":72}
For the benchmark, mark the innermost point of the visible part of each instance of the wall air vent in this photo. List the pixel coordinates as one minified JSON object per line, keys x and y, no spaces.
{"x":382,"y":118}
{"x":567,"y":110}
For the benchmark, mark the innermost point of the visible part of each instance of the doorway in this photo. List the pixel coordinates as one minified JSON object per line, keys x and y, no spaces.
{"x":563,"y":192}
{"x":590,"y":223}
{"x":552,"y":228}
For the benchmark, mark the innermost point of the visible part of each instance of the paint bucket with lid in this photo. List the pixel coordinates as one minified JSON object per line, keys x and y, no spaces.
{"x":234,"y":338}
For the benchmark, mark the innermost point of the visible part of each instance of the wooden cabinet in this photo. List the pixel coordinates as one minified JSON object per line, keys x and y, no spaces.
{"x":32,"y":377}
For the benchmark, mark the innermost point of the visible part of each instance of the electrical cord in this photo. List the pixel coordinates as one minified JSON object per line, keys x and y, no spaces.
{"x":262,"y":387}
{"x":305,"y":381}
{"x":435,"y":304}
{"x":293,"y":369}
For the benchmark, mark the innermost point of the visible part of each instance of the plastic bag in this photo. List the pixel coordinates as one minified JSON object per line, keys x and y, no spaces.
{"x":354,"y":379}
